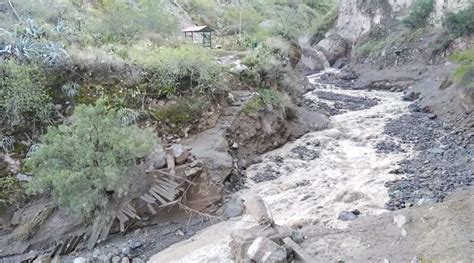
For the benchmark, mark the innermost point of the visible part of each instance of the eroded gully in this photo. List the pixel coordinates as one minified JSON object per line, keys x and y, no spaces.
{"x":313,"y":179}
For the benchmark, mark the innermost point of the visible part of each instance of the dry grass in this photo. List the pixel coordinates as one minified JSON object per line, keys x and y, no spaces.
{"x":29,"y":228}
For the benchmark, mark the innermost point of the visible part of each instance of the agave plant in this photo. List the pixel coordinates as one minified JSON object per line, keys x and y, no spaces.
{"x":128,"y":116}
{"x":7,"y":143}
{"x":53,"y":54}
{"x":33,"y":30}
{"x":32,"y":150}
{"x":25,"y":47}
{"x":60,"y":26}
{"x":71,"y":89}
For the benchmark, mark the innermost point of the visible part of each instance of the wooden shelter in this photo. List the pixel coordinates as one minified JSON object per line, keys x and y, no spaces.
{"x":204,"y":31}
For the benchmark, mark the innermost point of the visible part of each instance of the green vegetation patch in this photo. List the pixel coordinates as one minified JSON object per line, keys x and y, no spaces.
{"x":89,"y":162}
{"x":123,"y":21}
{"x":460,"y":23}
{"x":419,"y":13}
{"x":23,"y":99}
{"x":181,"y":112}
{"x":264,"y":98}
{"x":171,"y":71}
{"x":11,"y":191}
{"x":464,"y":74}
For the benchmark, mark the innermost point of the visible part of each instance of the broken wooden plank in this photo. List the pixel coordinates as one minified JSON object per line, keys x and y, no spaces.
{"x":122,"y":226}
{"x":64,"y":247}
{"x":164,"y":180}
{"x":166,"y":184}
{"x":105,"y":230}
{"x":131,"y":208}
{"x":75,"y":245}
{"x":130,"y":213}
{"x":121,"y":216}
{"x":151,"y":208}
{"x":158,"y":197}
{"x":69,"y":245}
{"x":149,"y":199}
{"x":94,"y":235}
{"x":56,"y":250}
{"x":167,"y":193}
{"x":170,"y":159}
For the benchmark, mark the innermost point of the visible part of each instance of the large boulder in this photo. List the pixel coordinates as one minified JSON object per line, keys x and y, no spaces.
{"x":333,"y":48}
{"x":311,"y":61}
{"x":157,"y":159}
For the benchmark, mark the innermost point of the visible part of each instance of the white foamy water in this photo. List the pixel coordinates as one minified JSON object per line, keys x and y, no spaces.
{"x":348,"y":174}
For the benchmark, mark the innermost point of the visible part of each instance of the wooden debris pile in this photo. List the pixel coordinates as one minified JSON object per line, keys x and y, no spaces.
{"x":166,"y":189}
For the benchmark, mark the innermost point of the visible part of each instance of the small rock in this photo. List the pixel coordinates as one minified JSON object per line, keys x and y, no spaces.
{"x":180,"y":233}
{"x":356,"y":212}
{"x":400,"y":220}
{"x":136,"y":244}
{"x":138,"y":260}
{"x":126,"y":251}
{"x":436,"y":151}
{"x":432,"y":116}
{"x":426,"y":201}
{"x":192,"y":171}
{"x":297,"y":236}
{"x":411,"y":96}
{"x":24,"y":177}
{"x":180,"y":153}
{"x":116,"y":259}
{"x":235,"y":146}
{"x":347,"y":216}
{"x":80,"y":260}
{"x":125,"y":260}
{"x":196,"y":163}
{"x":266,"y":251}
{"x":104,"y":258}
{"x":46,"y":259}
{"x":234,"y":207}
{"x":115,"y":251}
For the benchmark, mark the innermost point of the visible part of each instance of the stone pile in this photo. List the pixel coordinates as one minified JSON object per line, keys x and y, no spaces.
{"x":267,"y":242}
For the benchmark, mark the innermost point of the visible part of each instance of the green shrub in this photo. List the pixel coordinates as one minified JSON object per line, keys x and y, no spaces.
{"x":264,"y":98}
{"x":11,"y":191}
{"x":173,"y":71}
{"x":119,"y":21}
{"x":464,"y":74}
{"x":265,"y":65}
{"x":460,"y":23}
{"x":88,"y":163}
{"x":23,"y":100}
{"x":419,"y":13}
{"x":181,"y":112}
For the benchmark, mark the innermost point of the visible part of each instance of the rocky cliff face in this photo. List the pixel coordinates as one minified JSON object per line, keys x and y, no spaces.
{"x":358,"y":17}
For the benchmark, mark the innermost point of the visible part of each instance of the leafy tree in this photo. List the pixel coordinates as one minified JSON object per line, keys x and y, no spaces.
{"x":420,"y":11}
{"x":89,"y":162}
{"x":460,"y":23}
